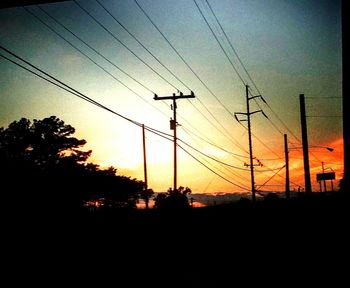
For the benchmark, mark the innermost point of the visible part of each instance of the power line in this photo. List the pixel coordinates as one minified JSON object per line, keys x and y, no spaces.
{"x":231,"y":62}
{"x":90,"y":100}
{"x":142,"y":45}
{"x":230,"y":43}
{"x":213,"y":158}
{"x":93,"y":49}
{"x":233,"y":140}
{"x":321,"y":98}
{"x":261,"y":142}
{"x":268,"y":180}
{"x":240,"y":61}
{"x":324,"y":116}
{"x":173,"y":74}
{"x":213,"y":144}
{"x":250,"y":78}
{"x":165,"y":136}
{"x":89,"y":58}
{"x":223,"y":166}
{"x":221,"y":162}
{"x":229,"y":174}
{"x":217,"y":40}
{"x":182,"y":58}
{"x":244,"y":188}
{"x":46,"y":79}
{"x":124,"y":45}
{"x":242,"y":64}
{"x":64,"y":86}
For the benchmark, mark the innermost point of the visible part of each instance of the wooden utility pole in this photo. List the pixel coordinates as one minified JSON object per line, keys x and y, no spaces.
{"x":324,"y":181}
{"x":287,"y":166}
{"x":173,"y":124}
{"x":248,"y":113}
{"x":145,"y":166}
{"x":307,"y":178}
{"x":345,"y":186}
{"x":250,"y":145}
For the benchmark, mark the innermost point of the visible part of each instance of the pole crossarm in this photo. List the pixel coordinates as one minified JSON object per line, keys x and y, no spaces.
{"x":174,"y":97}
{"x":257,"y":96}
{"x":247,"y":114}
{"x":251,"y":113}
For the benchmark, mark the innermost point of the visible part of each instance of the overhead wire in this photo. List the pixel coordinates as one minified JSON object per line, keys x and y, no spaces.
{"x":222,"y":48}
{"x":93,"y":49}
{"x":216,"y":38}
{"x":242,"y":64}
{"x":203,"y":160}
{"x":124,"y":45}
{"x":135,"y":0}
{"x":250,"y":78}
{"x":68,"y":88}
{"x":90,"y":59}
{"x":182,"y":58}
{"x":100,"y":54}
{"x":75,"y":92}
{"x":268,"y":180}
{"x":212,"y":143}
{"x":227,"y":56}
{"x":234,"y":141}
{"x":143,"y":46}
{"x":227,"y":180}
{"x":240,"y":176}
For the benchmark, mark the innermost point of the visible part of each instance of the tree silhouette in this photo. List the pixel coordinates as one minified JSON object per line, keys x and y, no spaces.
{"x":42,"y":143}
{"x":42,"y":165}
{"x":173,"y":199}
{"x":146,"y":195}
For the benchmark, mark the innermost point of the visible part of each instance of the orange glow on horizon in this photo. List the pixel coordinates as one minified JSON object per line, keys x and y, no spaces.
{"x":333,"y":161}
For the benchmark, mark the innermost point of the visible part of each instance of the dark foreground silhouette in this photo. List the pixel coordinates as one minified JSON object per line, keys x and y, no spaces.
{"x":51,"y":239}
{"x":303,"y":240}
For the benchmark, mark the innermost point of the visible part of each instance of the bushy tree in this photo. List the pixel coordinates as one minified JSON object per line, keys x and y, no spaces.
{"x":173,"y":199}
{"x":42,"y":164}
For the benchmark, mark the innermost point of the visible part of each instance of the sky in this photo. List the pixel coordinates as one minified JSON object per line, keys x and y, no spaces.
{"x":287,"y":47}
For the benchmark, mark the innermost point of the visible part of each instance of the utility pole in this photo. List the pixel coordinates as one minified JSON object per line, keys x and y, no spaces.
{"x":145,"y":165}
{"x":287,"y":166}
{"x":324,"y":181}
{"x":248,"y":113}
{"x":173,"y":124}
{"x":307,"y":178}
{"x":345,"y":187}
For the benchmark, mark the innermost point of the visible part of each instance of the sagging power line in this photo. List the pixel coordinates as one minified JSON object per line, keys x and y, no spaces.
{"x":69,"y":89}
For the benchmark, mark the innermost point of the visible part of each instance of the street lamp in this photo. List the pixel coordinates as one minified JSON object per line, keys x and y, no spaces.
{"x":328,"y":148}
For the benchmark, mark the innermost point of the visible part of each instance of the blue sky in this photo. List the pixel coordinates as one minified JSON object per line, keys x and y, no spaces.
{"x":288,"y":47}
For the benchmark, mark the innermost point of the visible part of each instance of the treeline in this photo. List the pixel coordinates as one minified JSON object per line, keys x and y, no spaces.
{"x":43,"y":167}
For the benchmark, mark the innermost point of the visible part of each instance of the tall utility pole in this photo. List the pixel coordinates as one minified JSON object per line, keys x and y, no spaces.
{"x":248,"y":113}
{"x":173,"y":124}
{"x":145,"y":165}
{"x":324,"y":181}
{"x":287,"y":166}
{"x":345,"y":187}
{"x":307,"y":178}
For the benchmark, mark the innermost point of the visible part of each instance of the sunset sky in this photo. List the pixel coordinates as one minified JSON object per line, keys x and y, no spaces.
{"x":288,"y":47}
